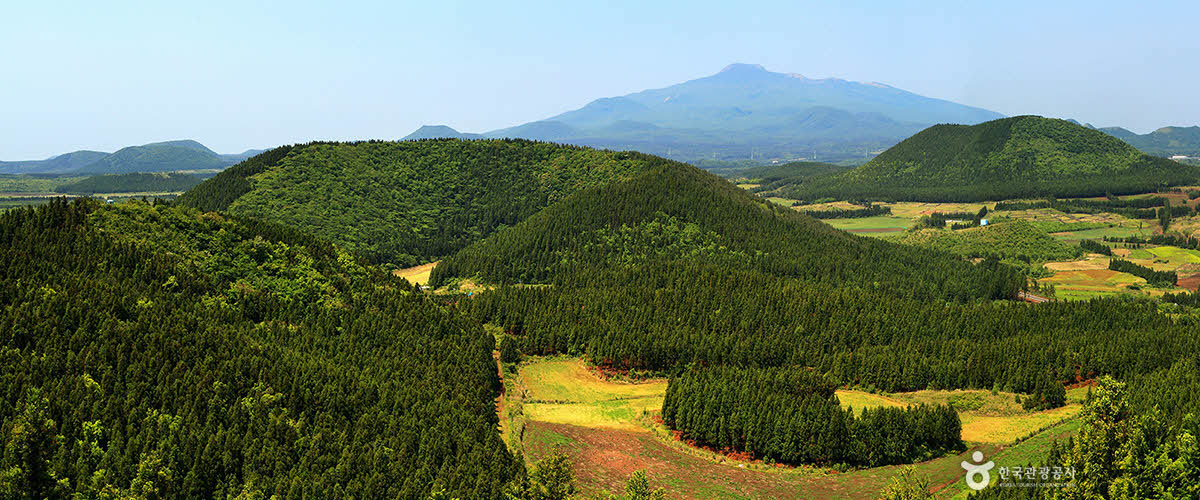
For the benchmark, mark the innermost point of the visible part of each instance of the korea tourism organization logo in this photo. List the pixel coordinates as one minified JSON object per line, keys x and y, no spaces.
{"x":979,"y":475}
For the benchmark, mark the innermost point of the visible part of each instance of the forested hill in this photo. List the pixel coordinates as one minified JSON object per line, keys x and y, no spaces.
{"x":1024,"y":156}
{"x":677,"y":213}
{"x":411,"y":201}
{"x":149,"y":351}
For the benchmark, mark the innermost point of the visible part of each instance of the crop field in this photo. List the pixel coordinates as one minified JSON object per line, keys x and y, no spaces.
{"x":418,"y":274}
{"x":871,"y":226}
{"x":913,"y":210}
{"x":609,"y":431}
{"x":986,"y":417}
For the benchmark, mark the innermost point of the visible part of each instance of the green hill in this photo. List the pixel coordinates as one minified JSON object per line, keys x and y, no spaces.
{"x":150,"y":351}
{"x":64,"y":163}
{"x":157,"y":157}
{"x":411,"y":201}
{"x":1013,"y":240}
{"x":131,"y":183}
{"x":1168,"y":141}
{"x":1025,"y":156}
{"x":676,"y":213}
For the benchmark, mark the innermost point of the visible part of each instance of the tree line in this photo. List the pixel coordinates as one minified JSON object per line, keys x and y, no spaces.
{"x":791,"y":415}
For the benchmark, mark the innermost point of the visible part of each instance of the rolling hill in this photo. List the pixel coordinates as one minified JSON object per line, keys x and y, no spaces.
{"x":61,"y":164}
{"x":746,"y":111}
{"x":1025,"y":156}
{"x":411,"y":201}
{"x":157,"y":157}
{"x":1166,"y":141}
{"x":676,"y":213}
{"x":168,"y":156}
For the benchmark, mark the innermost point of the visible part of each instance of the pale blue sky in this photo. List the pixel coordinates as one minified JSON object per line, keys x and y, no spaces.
{"x":236,"y":75}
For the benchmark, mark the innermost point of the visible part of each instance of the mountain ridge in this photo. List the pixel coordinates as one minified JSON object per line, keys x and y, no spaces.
{"x":744,"y":111}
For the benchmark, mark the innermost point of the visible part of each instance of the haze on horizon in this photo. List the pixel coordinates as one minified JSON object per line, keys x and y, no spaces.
{"x":236,"y":76}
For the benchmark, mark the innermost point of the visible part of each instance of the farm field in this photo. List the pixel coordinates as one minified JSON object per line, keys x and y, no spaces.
{"x":1081,"y":279}
{"x":871,"y":226}
{"x":417,"y":274}
{"x":986,"y":417}
{"x":607,"y":428}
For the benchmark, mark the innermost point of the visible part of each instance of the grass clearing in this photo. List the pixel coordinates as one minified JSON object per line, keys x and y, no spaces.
{"x":986,"y":417}
{"x":870,"y":226}
{"x":418,"y":274}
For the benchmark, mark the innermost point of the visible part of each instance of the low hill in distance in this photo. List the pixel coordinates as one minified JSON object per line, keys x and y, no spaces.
{"x":1166,"y":141}
{"x":64,"y":163}
{"x":157,"y":157}
{"x":408,"y":202}
{"x":168,"y":156}
{"x":1025,"y":156}
{"x":745,"y":112}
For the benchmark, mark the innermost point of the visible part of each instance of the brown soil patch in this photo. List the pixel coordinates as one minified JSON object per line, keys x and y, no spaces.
{"x":605,"y":458}
{"x":1078,"y":265}
{"x":1191,"y":282}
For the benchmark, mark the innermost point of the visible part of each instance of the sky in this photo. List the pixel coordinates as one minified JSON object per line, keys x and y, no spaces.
{"x":236,"y":75}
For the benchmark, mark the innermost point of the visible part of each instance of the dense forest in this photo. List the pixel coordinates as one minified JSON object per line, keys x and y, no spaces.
{"x":791,"y":415}
{"x":649,"y":277}
{"x":148,"y":351}
{"x":407,"y":202}
{"x":131,"y":183}
{"x":1019,"y":157}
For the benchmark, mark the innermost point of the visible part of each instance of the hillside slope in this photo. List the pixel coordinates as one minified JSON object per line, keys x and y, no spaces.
{"x":411,"y":201}
{"x":156,"y":351}
{"x":1024,"y":156}
{"x":678,"y":213}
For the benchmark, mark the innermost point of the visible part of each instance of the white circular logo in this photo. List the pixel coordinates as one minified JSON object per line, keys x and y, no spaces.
{"x":978,"y":476}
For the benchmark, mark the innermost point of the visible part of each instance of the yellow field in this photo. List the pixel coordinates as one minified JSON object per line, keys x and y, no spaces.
{"x":419,"y":274}
{"x":999,"y":419}
{"x":860,"y":400}
{"x":564,"y":391}
{"x":1089,"y":263}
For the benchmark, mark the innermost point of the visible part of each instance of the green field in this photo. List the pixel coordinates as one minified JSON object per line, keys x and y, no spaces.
{"x":871,"y":226}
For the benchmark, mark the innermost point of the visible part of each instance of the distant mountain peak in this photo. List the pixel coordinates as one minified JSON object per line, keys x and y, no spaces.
{"x":743,"y":67}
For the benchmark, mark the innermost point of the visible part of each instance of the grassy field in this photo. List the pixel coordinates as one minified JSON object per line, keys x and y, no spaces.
{"x":418,"y":274}
{"x":608,"y":429}
{"x":871,"y":226}
{"x":986,"y":417}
